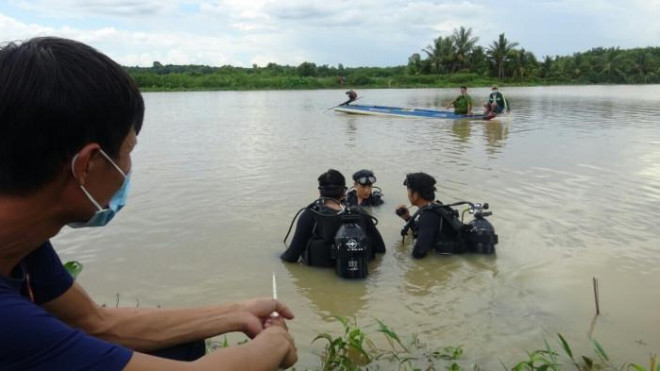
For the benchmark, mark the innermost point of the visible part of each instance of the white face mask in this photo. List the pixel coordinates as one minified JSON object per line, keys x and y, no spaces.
{"x":103,"y":216}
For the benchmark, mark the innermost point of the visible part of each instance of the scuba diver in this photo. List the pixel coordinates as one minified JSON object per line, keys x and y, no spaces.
{"x":437,"y":226}
{"x":328,"y":234}
{"x":364,"y":193}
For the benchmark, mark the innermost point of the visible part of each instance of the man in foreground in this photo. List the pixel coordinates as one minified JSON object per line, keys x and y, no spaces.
{"x":69,"y":119}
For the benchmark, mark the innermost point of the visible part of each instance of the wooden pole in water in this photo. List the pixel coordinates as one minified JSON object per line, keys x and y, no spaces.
{"x":652,"y":362}
{"x":595,"y":280}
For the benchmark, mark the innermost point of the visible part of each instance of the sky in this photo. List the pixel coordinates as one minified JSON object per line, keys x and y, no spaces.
{"x":351,"y":32}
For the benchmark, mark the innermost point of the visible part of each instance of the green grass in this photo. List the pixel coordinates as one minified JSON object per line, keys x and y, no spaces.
{"x":355,"y":350}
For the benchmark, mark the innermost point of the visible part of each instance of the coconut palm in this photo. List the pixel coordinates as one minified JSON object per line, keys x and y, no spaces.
{"x":643,"y":65}
{"x":500,"y":53}
{"x":463,"y":45}
{"x":440,"y":53}
{"x":611,"y":65}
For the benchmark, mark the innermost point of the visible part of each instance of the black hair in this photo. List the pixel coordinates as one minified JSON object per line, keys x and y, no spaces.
{"x":464,"y":87}
{"x":332,"y":184}
{"x":57,"y":95}
{"x":421,"y":183}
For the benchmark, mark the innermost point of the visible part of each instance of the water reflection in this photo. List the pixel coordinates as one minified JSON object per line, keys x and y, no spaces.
{"x":327,"y":293}
{"x":462,"y":130}
{"x":351,"y":129}
{"x":495,"y":132}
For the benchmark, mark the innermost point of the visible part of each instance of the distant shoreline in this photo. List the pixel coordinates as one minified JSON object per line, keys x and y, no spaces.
{"x":439,"y":86}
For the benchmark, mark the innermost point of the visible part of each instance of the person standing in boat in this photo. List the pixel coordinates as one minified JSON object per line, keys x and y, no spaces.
{"x":319,"y":222}
{"x":462,"y":104}
{"x":497,"y":103}
{"x":364,"y":193}
{"x":352,"y":96}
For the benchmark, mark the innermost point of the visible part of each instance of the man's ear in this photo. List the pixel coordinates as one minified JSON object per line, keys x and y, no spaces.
{"x":83,"y":162}
{"x":414,"y":196}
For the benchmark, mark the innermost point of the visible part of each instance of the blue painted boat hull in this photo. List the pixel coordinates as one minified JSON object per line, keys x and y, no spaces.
{"x":403,"y":112}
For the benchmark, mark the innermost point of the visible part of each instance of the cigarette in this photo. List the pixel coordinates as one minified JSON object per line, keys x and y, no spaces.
{"x":274,"y":314}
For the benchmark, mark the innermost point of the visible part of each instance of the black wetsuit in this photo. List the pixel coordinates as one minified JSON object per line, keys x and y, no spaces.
{"x":437,"y":228}
{"x":373,"y":200}
{"x":426,"y":230}
{"x":308,"y":232}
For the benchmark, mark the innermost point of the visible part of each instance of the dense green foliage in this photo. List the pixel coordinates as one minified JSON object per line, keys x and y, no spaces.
{"x":447,"y":61}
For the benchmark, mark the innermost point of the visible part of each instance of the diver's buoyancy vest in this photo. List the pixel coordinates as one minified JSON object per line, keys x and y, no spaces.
{"x":456,"y":237}
{"x":450,"y":237}
{"x":321,"y":245}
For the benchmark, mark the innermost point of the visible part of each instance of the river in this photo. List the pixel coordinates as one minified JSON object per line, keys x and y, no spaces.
{"x":573,"y":180}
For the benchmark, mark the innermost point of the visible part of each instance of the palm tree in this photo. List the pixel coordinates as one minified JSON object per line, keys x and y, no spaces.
{"x":643,"y":65}
{"x":546,"y":67}
{"x":463,"y":45}
{"x":414,"y":64}
{"x":519,"y":58}
{"x":500,"y":52}
{"x":440,"y":53}
{"x":477,"y":60}
{"x":611,"y":65}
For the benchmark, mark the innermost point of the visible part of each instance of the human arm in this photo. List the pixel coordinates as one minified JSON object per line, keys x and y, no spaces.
{"x":273,"y":348}
{"x":403,"y":212}
{"x":142,"y":329}
{"x":469,"y":105}
{"x":31,"y":338}
{"x":411,"y":222}
{"x":375,"y":237}
{"x":147,"y":329}
{"x":428,"y":228}
{"x":303,"y":233}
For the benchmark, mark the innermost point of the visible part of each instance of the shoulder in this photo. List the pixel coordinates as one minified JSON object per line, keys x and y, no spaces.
{"x":48,"y":278}
{"x":429,"y":214}
{"x":351,"y":197}
{"x":376,"y":199}
{"x":31,"y":338}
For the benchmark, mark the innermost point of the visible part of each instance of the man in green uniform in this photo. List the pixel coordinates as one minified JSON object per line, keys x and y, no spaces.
{"x":462,"y":104}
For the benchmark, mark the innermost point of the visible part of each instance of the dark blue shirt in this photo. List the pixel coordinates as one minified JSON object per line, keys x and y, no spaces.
{"x":33,"y":339}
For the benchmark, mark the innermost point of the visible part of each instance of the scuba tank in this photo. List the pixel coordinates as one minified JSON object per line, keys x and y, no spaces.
{"x":338,"y":239}
{"x":351,"y":247}
{"x":479,"y":234}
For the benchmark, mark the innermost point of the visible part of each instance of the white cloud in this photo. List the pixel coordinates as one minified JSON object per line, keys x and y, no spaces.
{"x":80,"y":8}
{"x":352,"y":32}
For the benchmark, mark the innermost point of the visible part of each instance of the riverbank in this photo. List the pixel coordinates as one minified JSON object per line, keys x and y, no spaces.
{"x":247,"y":82}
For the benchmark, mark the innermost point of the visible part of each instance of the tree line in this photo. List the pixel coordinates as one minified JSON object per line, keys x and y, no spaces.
{"x":447,"y":61}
